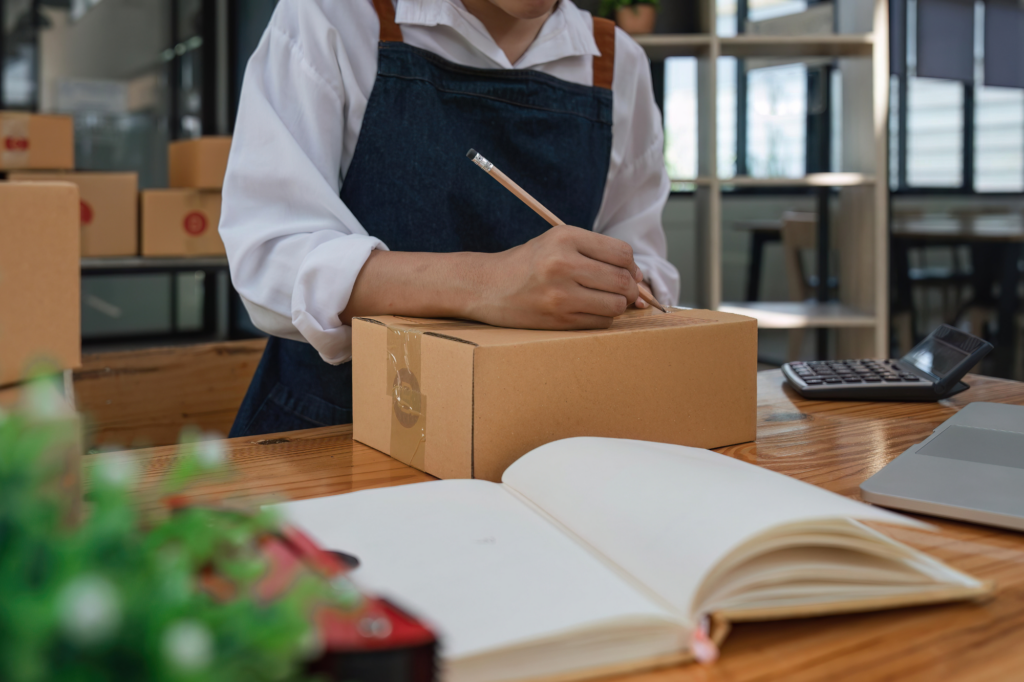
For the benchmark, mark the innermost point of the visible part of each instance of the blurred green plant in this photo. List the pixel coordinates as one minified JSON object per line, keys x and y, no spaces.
{"x":113,"y":597}
{"x":609,"y":7}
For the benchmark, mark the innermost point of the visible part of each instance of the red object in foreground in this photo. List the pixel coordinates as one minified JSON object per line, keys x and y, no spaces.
{"x":364,"y":640}
{"x":389,"y":646}
{"x":373,"y":641}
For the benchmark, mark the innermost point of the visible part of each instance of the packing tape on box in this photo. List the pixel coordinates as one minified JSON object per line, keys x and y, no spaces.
{"x":408,"y":404}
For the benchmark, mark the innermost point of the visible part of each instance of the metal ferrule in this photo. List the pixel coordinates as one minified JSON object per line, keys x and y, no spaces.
{"x":483,"y":163}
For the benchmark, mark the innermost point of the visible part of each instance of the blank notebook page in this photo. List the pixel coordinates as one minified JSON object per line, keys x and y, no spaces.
{"x":480,"y":565}
{"x":666,"y":514}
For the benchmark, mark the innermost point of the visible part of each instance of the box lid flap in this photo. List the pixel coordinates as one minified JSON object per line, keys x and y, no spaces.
{"x":482,"y":335}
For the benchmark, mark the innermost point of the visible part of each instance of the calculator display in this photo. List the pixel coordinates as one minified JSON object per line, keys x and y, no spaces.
{"x":935,"y":357}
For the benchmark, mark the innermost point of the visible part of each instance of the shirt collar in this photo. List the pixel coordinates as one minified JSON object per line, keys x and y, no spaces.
{"x":568,"y":32}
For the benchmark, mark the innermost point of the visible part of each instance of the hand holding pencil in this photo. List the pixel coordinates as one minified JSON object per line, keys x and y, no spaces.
{"x":645,"y":293}
{"x":565,"y":278}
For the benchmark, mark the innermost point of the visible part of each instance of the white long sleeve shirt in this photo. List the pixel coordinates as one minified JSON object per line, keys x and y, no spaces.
{"x":295,"y":249}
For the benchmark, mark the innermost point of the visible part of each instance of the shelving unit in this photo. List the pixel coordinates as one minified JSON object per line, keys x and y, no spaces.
{"x":809,"y":180}
{"x":862,"y":48}
{"x":218,"y":304}
{"x":798,"y":315}
{"x":837,"y":45}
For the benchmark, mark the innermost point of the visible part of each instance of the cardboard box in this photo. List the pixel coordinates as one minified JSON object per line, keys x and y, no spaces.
{"x":40,"y":278}
{"x":33,"y":141}
{"x":180,"y":222}
{"x":465,"y":400}
{"x":199,"y":163}
{"x":109,"y":207}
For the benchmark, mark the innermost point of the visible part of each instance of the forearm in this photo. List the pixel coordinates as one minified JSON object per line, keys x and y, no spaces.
{"x":417,"y":284}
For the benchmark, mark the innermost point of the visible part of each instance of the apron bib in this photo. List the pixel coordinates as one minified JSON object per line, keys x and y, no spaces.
{"x":411,"y":185}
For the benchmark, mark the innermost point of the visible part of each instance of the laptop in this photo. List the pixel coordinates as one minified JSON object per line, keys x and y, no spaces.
{"x":971,"y":469}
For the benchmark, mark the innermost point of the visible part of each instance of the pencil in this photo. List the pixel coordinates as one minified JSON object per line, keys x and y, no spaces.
{"x":542,"y":211}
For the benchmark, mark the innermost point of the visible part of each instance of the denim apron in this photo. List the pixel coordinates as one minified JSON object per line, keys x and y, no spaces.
{"x":411,"y":185}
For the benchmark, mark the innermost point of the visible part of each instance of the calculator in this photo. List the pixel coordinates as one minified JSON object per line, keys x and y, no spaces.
{"x":930,"y":371}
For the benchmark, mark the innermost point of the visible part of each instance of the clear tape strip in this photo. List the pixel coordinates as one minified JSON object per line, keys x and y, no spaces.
{"x":408,"y":404}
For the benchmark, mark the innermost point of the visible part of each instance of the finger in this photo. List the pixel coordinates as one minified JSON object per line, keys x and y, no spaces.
{"x":605,"y":249}
{"x":603,"y":277}
{"x":640,"y":303}
{"x":638,"y":275}
{"x":594,"y":302}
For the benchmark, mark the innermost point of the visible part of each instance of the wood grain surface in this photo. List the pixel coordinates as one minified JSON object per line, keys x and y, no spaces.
{"x":144,"y":398}
{"x":835,"y":445}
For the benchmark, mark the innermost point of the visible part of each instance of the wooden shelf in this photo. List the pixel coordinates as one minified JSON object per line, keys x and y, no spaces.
{"x":811,"y":180}
{"x":692,"y":181}
{"x":663,"y":45}
{"x":829,"y":45}
{"x":801,"y":315}
{"x":861,"y":234}
{"x":137,"y":264}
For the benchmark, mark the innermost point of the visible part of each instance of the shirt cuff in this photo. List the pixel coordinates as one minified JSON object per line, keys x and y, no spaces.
{"x":322,"y":290}
{"x":662,"y":276}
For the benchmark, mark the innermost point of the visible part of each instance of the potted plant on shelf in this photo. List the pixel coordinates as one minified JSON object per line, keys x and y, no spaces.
{"x":635,"y":17}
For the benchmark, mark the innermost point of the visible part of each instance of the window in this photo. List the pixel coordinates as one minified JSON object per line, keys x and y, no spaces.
{"x":998,"y":140}
{"x":998,"y":125}
{"x":759,"y":10}
{"x":957,"y":137}
{"x":935,"y":123}
{"x":777,"y":121}
{"x":727,"y":117}
{"x":681,"y":118}
{"x":19,"y":22}
{"x":944,"y":135}
{"x":762,"y":105}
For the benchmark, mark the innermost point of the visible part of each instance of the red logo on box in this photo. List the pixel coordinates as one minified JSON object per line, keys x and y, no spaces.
{"x":195,"y":223}
{"x":86,"y":213}
{"x":16,"y":144}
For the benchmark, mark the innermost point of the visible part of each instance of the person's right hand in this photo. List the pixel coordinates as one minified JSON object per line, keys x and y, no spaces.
{"x":567,"y":278}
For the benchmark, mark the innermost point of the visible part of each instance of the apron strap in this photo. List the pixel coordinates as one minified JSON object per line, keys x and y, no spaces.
{"x":604,"y":65}
{"x":389,"y":30}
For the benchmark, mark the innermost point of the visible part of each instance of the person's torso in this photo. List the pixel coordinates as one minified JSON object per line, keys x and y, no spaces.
{"x":442,"y":27}
{"x":410,"y":184}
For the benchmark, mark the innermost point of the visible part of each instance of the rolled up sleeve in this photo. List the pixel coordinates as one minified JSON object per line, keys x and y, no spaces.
{"x":294,"y":248}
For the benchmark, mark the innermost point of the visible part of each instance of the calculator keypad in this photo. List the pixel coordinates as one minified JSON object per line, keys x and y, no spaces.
{"x":836,"y":372}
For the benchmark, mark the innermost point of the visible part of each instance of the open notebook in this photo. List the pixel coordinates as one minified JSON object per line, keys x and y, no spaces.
{"x":598,"y":555}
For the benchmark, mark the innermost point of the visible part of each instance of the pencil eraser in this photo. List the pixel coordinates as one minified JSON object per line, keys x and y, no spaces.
{"x":471,"y":154}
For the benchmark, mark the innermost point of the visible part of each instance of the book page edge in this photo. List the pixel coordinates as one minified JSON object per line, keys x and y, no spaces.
{"x":982,"y":592}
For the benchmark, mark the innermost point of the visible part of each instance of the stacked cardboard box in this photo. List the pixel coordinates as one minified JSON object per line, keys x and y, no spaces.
{"x":32,"y":141}
{"x":179,"y":221}
{"x":40,"y":318}
{"x":35,"y":148}
{"x":109,"y":209}
{"x":183,"y":220}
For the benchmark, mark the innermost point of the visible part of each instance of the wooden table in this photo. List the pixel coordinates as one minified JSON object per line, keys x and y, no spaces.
{"x":836,"y":445}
